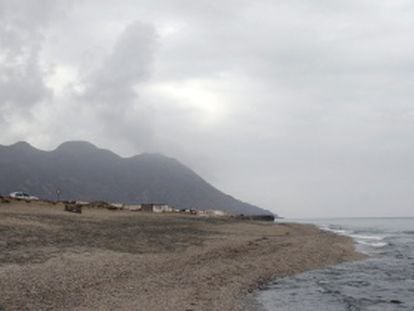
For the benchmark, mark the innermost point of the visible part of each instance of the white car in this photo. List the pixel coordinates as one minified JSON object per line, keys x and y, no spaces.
{"x":23,"y":196}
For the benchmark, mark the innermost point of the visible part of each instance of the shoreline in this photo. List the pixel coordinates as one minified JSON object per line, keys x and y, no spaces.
{"x":136,"y":261}
{"x":350,"y":254}
{"x":343,"y":250}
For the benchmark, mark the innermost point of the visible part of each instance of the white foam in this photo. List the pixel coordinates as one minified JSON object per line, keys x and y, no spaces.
{"x":372,"y":244}
{"x":367,"y":237}
{"x":368,"y":240}
{"x":338,"y":231}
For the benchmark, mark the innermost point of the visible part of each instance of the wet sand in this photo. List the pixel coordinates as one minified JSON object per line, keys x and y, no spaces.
{"x":119,"y":260}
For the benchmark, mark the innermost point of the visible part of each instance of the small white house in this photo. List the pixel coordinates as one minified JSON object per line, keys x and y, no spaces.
{"x":211,"y":213}
{"x":117,"y":205}
{"x":157,"y":208}
{"x":162,"y":208}
{"x":134,"y":208}
{"x":218,"y":213}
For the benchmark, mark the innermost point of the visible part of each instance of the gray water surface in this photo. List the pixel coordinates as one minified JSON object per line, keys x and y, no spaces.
{"x":385,"y":281}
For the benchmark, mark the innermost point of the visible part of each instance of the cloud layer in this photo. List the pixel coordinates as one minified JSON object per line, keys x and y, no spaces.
{"x":304,"y":108}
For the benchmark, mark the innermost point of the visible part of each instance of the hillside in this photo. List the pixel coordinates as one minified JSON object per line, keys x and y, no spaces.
{"x":84,"y":172}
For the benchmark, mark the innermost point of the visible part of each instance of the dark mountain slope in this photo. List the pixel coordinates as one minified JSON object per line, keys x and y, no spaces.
{"x":85,"y":172}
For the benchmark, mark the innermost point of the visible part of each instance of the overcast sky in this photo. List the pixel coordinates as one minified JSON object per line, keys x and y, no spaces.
{"x":301,"y":107}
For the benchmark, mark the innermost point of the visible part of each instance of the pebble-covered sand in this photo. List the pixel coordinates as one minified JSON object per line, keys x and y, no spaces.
{"x":118,"y":260}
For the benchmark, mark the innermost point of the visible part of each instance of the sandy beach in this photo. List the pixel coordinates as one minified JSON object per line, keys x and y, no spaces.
{"x":119,"y":260}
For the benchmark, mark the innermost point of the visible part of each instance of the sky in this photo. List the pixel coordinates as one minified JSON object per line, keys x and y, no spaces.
{"x":304,"y":108}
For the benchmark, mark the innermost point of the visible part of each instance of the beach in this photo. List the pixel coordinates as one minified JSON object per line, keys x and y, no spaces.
{"x":123,"y":260}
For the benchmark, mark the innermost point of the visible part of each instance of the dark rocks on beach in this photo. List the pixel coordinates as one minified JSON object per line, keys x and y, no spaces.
{"x":4,"y":200}
{"x":77,"y":208}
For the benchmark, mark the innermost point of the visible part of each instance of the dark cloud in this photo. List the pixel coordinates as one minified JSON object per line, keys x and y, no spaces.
{"x":111,"y":89}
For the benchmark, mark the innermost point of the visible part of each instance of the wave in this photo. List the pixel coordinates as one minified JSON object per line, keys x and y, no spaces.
{"x":335,"y":229}
{"x":372,"y":244}
{"x":367,"y":237}
{"x":375,"y":241}
{"x":360,"y":237}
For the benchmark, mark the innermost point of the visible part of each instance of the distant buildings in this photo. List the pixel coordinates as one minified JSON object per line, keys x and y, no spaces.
{"x":152,"y":208}
{"x":165,"y":208}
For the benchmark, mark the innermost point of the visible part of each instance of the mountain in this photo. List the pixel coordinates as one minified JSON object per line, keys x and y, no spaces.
{"x":84,"y":172}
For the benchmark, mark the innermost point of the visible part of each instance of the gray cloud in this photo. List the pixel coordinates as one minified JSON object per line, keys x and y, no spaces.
{"x":127,"y":65}
{"x":301,"y":107}
{"x":22,"y":82}
{"x":111,"y":89}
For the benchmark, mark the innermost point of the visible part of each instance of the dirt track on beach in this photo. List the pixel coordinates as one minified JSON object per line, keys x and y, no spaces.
{"x":119,"y":260}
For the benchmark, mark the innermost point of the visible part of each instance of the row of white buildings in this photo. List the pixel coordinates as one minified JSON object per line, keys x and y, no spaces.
{"x":164,"y":208}
{"x":152,"y":208}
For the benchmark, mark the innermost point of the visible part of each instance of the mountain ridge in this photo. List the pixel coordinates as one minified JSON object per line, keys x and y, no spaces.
{"x":83,"y":171}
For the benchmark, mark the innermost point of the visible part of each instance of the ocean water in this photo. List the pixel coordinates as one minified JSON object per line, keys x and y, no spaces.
{"x":384,"y":281}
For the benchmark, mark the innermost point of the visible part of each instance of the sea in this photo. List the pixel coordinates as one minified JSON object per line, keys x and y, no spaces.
{"x":384,"y":281}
